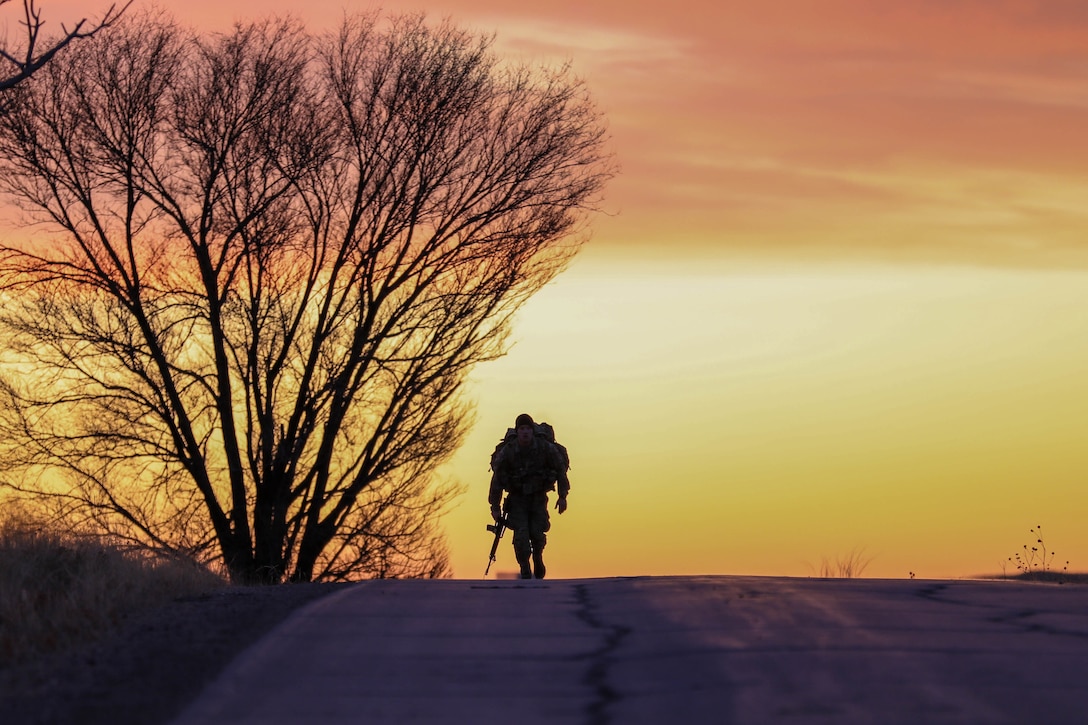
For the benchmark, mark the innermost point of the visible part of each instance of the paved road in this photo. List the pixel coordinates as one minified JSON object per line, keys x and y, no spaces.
{"x":673,"y":649}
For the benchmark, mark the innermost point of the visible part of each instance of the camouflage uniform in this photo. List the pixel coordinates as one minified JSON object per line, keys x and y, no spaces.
{"x":527,"y":474}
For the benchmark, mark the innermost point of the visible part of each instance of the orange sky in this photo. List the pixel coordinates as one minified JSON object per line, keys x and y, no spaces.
{"x":840,"y":298}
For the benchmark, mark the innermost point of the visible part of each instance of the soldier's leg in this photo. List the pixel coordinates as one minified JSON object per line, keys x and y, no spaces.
{"x":517,"y":516}
{"x":539,"y":523}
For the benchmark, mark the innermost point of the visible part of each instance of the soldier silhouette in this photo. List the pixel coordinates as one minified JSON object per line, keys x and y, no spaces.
{"x":527,"y":467}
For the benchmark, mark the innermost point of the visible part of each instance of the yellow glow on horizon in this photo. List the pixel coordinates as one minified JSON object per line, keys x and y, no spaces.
{"x":756,"y":419}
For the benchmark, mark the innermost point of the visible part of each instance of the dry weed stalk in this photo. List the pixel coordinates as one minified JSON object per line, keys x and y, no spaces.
{"x":849,"y":566}
{"x":1036,"y":561}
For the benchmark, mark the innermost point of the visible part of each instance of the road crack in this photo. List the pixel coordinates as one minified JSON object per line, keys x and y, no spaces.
{"x":600,"y":659}
{"x":1022,"y":619}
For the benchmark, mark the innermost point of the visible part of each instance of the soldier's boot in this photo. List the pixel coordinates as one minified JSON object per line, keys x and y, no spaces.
{"x":538,"y":565}
{"x":523,"y":560}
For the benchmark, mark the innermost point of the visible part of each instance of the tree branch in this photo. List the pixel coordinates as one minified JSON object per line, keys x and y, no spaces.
{"x":31,"y":59}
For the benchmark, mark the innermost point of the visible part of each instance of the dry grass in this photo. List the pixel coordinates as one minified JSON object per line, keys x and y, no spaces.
{"x":58,"y":591}
{"x":851,"y":565}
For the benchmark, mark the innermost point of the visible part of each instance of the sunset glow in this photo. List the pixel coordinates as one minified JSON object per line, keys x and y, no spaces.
{"x":837,"y":299}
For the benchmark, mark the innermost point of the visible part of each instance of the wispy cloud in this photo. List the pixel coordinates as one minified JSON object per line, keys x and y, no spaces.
{"x":584,"y":41}
{"x":1069,"y":90}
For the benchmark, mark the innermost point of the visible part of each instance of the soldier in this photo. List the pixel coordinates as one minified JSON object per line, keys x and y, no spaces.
{"x":527,"y":469}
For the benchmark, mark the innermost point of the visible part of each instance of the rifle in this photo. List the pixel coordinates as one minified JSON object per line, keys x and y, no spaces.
{"x":498,"y":529}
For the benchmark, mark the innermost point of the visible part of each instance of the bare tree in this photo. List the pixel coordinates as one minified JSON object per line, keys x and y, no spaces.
{"x":26,"y":61}
{"x":277,"y":258}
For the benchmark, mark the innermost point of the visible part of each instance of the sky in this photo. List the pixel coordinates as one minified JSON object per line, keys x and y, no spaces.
{"x":836,"y":302}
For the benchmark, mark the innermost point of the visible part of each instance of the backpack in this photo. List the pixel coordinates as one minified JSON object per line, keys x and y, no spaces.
{"x":542,"y":430}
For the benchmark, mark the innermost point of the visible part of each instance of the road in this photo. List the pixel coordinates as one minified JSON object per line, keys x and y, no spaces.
{"x":668,"y":649}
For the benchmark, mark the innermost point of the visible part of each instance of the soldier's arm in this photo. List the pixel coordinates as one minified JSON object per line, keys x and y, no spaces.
{"x":498,"y":478}
{"x":561,"y":480}
{"x":494,"y":494}
{"x":563,"y":486}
